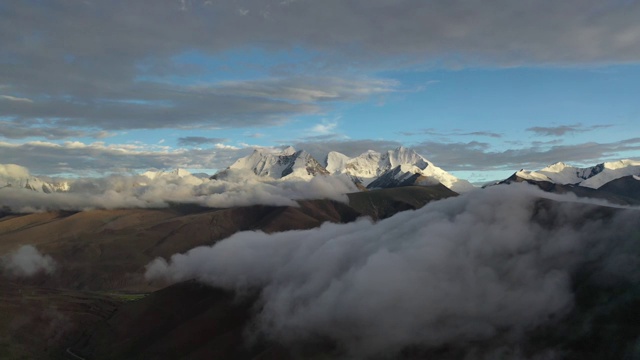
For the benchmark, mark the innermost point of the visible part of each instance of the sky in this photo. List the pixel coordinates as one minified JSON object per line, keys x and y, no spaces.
{"x":481,"y":89}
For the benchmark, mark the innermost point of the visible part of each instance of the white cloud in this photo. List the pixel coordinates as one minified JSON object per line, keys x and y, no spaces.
{"x":13,"y":98}
{"x":234,"y":189}
{"x":325,"y":127}
{"x":13,"y":171}
{"x":27,"y":261}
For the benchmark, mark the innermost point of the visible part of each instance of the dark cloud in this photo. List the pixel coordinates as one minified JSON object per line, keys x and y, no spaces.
{"x":199,"y":140}
{"x":562,"y":130}
{"x":481,"y":156}
{"x":98,"y":158}
{"x":434,"y":132}
{"x":16,"y":130}
{"x":157,"y":105}
{"x":115,"y":65}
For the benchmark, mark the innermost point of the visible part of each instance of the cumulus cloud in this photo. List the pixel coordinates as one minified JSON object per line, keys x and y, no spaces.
{"x":477,"y":155}
{"x":13,"y":171}
{"x":27,"y":261}
{"x":488,"y":265}
{"x":235,"y":188}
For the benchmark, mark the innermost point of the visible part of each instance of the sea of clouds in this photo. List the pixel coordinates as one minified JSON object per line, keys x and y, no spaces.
{"x":235,"y":188}
{"x":487,"y":265}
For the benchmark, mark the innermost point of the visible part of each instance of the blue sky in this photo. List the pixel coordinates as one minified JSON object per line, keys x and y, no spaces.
{"x":481,"y":90}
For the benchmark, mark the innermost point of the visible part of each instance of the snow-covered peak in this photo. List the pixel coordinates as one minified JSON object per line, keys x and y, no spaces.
{"x":620,"y":164}
{"x":396,"y":165}
{"x":592,"y":177}
{"x":289,"y":150}
{"x":611,"y":171}
{"x":16,"y":176}
{"x":532,"y":175}
{"x":557,"y":167}
{"x":336,"y":162}
{"x":287,"y":163}
{"x":402,"y":156}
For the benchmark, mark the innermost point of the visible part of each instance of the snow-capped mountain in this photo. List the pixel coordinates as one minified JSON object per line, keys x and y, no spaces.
{"x":16,"y":176}
{"x":592,"y":177}
{"x":397,"y":167}
{"x":287,"y":163}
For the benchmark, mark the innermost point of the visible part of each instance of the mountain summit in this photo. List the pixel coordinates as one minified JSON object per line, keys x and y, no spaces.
{"x":287,"y":163}
{"x":16,"y":176}
{"x":398,"y":167}
{"x":592,"y":177}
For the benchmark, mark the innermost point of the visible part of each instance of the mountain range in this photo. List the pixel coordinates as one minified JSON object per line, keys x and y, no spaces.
{"x":98,"y":305}
{"x":15,"y":176}
{"x":393,"y":168}
{"x":617,"y":181}
{"x":373,"y":170}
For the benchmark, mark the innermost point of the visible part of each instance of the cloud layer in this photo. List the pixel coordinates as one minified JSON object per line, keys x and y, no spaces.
{"x":235,"y":189}
{"x":485,"y":266}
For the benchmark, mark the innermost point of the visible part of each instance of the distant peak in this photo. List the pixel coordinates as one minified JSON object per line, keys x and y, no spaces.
{"x":289,"y":150}
{"x":556,"y":167}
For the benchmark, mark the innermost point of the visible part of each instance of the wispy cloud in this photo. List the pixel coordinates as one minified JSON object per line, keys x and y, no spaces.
{"x":435,"y":132}
{"x":199,"y":140}
{"x":562,"y":130}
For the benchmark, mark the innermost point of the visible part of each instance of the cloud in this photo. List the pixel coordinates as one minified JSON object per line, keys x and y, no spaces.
{"x":13,"y":171}
{"x":115,"y":65}
{"x":17,"y":130}
{"x":155,"y":105}
{"x":13,"y":98}
{"x":324,"y":128}
{"x":477,"y":155}
{"x":233,"y":188}
{"x":564,"y":129}
{"x":434,"y":132}
{"x":27,"y":261}
{"x":98,"y":158}
{"x":199,"y":140}
{"x":482,"y":268}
